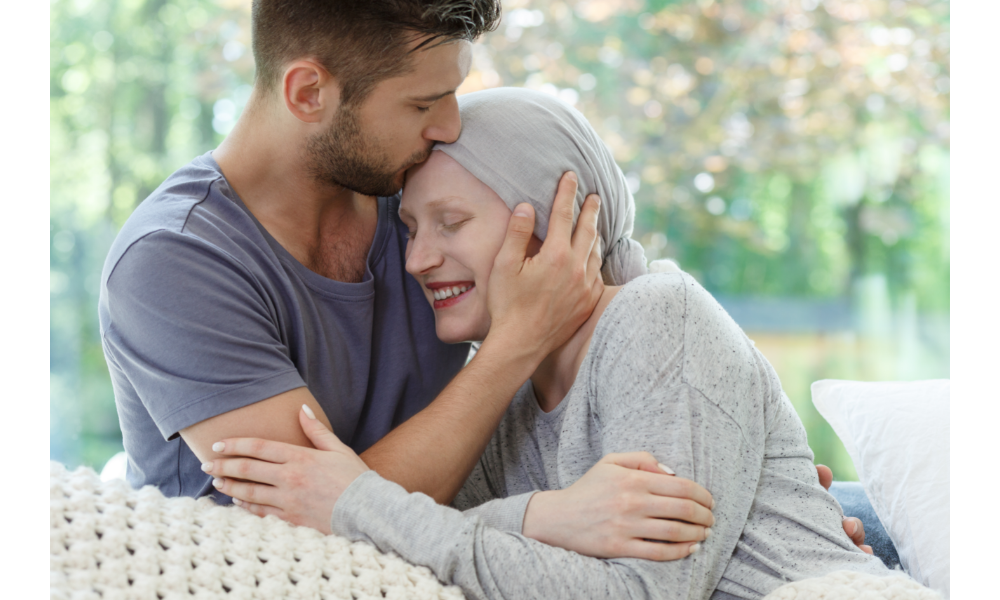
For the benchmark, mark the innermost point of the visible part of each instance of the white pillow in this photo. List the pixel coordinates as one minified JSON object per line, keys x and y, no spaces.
{"x":897,"y":435}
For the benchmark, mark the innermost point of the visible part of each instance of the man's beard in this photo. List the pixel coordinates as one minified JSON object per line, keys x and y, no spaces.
{"x":344,"y":156}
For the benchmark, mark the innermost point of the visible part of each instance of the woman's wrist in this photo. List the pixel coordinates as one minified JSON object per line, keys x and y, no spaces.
{"x":536,"y":517}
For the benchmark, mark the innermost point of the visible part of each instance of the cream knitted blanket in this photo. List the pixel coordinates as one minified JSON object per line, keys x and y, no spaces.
{"x":111,"y":542}
{"x":848,"y":585}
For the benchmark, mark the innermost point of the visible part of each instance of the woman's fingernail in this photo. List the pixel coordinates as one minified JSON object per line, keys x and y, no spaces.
{"x":218,"y":446}
{"x":852,"y":526}
{"x":206,"y":467}
{"x":572,"y":175}
{"x":713,"y":503}
{"x":695,"y":548}
{"x":309,"y":412}
{"x":708,"y":533}
{"x":218,"y":483}
{"x":237,"y":502}
{"x":666,"y":469}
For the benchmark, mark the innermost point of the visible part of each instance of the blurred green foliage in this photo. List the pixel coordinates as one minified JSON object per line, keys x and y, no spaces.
{"x":782,"y":147}
{"x":776,"y":149}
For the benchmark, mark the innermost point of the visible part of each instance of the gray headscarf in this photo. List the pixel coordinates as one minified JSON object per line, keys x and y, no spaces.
{"x":519,"y":142}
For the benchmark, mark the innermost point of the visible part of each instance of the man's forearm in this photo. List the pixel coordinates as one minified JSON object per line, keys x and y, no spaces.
{"x":435,"y":450}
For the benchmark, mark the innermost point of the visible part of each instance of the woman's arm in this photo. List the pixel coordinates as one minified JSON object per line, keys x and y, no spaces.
{"x":613,"y":511}
{"x":460,"y":548}
{"x":491,"y":564}
{"x":677,"y":424}
{"x":642,"y":402}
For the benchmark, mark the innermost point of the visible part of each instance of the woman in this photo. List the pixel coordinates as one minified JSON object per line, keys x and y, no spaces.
{"x":658,"y":367}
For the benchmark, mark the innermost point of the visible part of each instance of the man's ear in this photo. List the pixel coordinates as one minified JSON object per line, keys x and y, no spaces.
{"x":309,"y":91}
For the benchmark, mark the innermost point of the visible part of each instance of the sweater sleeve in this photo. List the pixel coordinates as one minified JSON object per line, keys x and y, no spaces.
{"x":481,"y":497}
{"x":485,"y":562}
{"x":647,"y":384}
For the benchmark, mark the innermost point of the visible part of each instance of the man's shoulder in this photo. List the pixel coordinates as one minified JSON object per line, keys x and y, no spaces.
{"x":195,"y":204}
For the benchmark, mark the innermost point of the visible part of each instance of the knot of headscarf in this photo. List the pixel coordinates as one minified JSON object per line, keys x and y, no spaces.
{"x":519,"y":142}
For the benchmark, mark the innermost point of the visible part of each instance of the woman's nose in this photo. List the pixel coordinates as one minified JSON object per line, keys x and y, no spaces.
{"x":421,"y":256}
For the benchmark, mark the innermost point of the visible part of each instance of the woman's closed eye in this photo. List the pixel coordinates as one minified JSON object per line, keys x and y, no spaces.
{"x":455,"y":226}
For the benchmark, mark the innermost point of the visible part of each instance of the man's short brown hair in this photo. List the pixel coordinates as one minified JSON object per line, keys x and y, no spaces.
{"x":360,"y":42}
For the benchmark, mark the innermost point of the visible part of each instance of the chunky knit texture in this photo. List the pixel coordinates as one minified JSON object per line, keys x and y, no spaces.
{"x":110,"y":541}
{"x":851,"y":585}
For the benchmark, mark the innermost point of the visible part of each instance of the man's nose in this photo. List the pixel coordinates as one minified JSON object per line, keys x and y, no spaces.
{"x":447,"y":124}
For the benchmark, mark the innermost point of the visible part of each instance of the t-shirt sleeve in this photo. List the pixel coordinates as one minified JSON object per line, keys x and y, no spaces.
{"x":193,"y":330}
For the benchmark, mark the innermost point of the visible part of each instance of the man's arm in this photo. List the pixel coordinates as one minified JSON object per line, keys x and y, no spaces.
{"x":272,"y":419}
{"x":535,"y":303}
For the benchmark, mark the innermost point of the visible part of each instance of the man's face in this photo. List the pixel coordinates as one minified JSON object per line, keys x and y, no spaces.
{"x":368,"y":148}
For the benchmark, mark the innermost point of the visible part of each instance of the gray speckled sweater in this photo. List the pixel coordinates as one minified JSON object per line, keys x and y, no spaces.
{"x":669,"y":372}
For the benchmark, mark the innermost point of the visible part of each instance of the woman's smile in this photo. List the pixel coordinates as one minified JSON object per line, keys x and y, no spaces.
{"x":449,"y":293}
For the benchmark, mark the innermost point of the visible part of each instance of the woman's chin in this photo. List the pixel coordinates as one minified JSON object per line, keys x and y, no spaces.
{"x":456,"y":336}
{"x":455,"y":339}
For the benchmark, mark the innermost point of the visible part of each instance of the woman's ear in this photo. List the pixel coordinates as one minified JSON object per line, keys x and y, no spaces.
{"x":309,"y":91}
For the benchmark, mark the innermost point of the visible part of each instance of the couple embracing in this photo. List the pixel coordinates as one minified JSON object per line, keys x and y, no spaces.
{"x":287,"y":330}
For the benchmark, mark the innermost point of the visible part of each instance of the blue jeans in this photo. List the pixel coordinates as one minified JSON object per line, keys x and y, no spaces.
{"x":851,"y":496}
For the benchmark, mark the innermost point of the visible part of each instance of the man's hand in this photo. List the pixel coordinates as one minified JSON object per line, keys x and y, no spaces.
{"x":536,"y":303}
{"x":852,"y":525}
{"x":299,"y":485}
{"x":622,"y":508}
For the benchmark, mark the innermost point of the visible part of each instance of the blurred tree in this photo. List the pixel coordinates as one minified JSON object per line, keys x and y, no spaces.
{"x":782,"y":147}
{"x":138,"y":88}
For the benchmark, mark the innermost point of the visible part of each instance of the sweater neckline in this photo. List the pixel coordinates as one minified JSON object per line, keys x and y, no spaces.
{"x":582,"y":381}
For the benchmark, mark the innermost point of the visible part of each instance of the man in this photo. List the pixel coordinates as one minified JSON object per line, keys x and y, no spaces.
{"x":268,"y":274}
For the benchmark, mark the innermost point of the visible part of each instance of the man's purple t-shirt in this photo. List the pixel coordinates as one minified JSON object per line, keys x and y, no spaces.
{"x":203,"y":312}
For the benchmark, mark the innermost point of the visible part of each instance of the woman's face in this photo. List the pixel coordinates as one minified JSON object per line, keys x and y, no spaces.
{"x":457,"y":225}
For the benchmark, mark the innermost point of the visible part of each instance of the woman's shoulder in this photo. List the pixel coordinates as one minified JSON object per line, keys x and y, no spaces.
{"x":672,"y":295}
{"x":643,"y":320}
{"x":658,"y":296}
{"x":668,"y":330}
{"x":668,"y":313}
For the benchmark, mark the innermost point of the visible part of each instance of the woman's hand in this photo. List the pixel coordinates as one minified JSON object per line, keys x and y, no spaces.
{"x":853,"y":526}
{"x":299,"y":485}
{"x":623,"y":507}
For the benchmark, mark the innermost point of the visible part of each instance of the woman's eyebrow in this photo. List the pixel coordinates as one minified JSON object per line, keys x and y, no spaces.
{"x":438,"y":203}
{"x":432,"y":204}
